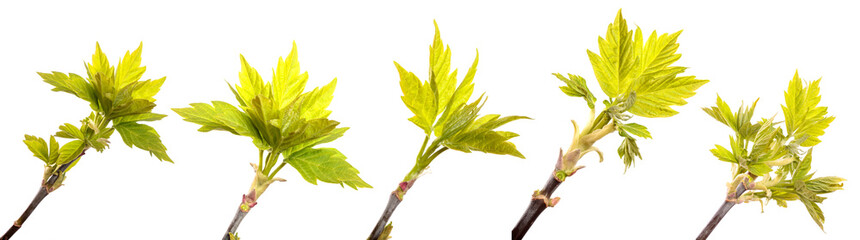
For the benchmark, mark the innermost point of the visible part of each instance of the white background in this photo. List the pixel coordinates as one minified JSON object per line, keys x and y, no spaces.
{"x":747,"y":50}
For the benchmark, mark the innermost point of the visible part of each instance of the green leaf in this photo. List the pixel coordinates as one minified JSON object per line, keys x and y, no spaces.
{"x":55,"y":151}
{"x":635,"y":129}
{"x":485,"y":140}
{"x":70,"y":151}
{"x":627,"y":151}
{"x":327,"y":165}
{"x":139,"y":117}
{"x":759,"y":169}
{"x":326,"y":138}
{"x":287,"y":82}
{"x":251,"y":82}
{"x":803,"y":116}
{"x":814,"y":212}
{"x":147,"y":89}
{"x":144,"y":137}
{"x":309,"y":131}
{"x":654,"y":98}
{"x":576,"y":87}
{"x":314,"y":103}
{"x":657,"y":54}
{"x":460,"y":119}
{"x":723,"y":154}
{"x":70,"y":131}
{"x":128,"y":69}
{"x":442,"y":81}
{"x":100,"y":69}
{"x":72,"y":83}
{"x":419,"y":98}
{"x":627,"y":64}
{"x":722,"y":113}
{"x":824,"y":185}
{"x":616,"y":60}
{"x":219,"y":116}
{"x":39,"y":147}
{"x":800,"y":173}
{"x":133,"y":107}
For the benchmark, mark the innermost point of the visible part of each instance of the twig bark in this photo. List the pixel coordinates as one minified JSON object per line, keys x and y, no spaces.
{"x":393,"y":201}
{"x":234,"y":225}
{"x":43,"y":192}
{"x":534,"y":210}
{"x":724,"y":209}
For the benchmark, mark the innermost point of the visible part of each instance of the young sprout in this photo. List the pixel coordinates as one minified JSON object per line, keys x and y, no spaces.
{"x":442,"y":110}
{"x":782,"y":158}
{"x":637,"y":76}
{"x":119,"y":99}
{"x":285,"y":123}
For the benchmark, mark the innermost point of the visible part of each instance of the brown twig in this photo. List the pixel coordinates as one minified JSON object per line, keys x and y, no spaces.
{"x":535,"y":208}
{"x":724,"y":209}
{"x":44,"y":190}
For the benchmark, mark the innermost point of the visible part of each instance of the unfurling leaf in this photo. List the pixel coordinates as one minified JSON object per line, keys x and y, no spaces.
{"x":576,"y":87}
{"x":635,"y":129}
{"x":627,"y":151}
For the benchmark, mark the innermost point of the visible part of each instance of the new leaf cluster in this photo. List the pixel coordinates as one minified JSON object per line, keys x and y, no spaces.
{"x":637,"y":76}
{"x":119,"y":99}
{"x":282,"y":119}
{"x":442,"y":110}
{"x":764,"y":149}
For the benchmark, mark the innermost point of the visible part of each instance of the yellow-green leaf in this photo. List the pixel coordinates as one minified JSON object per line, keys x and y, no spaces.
{"x":143,"y":137}
{"x":287,"y":82}
{"x":327,"y":165}
{"x":803,"y":116}
{"x":38,"y":147}
{"x":128,"y":69}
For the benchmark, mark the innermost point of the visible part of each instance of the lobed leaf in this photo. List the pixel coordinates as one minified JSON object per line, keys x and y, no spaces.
{"x":616,"y":59}
{"x":38,"y":147}
{"x":327,"y":165}
{"x":314,"y":103}
{"x":144,"y":137}
{"x":803,"y":117}
{"x":627,"y":65}
{"x":419,"y":98}
{"x":128,"y":69}
{"x":71,"y":83}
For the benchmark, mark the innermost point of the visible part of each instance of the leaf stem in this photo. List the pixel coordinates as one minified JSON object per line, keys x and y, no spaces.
{"x":43,"y":192}
{"x":436,"y":154}
{"x":261,"y":160}
{"x":423,"y":145}
{"x":278,"y":169}
{"x":536,"y":207}
{"x":271,"y":159}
